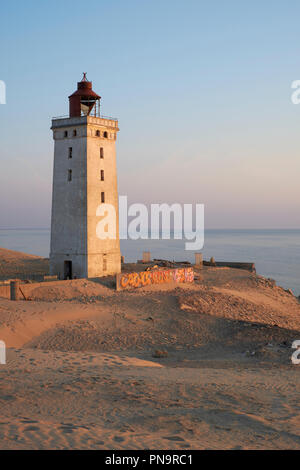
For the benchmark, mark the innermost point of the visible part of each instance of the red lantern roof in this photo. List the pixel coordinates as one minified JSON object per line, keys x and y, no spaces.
{"x":83,"y":100}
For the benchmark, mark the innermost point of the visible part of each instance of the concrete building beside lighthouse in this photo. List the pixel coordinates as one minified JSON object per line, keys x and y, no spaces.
{"x":84,"y":176}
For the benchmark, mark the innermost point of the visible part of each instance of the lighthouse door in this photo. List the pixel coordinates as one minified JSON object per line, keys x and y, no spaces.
{"x":68,"y":270}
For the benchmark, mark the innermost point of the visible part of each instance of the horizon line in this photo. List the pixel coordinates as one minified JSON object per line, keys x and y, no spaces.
{"x":172,"y":230}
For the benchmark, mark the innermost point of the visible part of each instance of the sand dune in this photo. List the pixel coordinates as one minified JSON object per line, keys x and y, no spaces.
{"x":14,"y":264}
{"x":57,"y":400}
{"x":81,"y":370}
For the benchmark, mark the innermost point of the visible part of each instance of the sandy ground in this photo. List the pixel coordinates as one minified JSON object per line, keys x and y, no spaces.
{"x":81,"y":371}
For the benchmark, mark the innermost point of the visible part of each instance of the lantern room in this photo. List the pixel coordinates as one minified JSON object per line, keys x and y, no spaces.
{"x":84,"y":101}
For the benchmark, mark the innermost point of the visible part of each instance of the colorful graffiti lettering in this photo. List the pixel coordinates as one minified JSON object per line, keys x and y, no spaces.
{"x":159,"y":276}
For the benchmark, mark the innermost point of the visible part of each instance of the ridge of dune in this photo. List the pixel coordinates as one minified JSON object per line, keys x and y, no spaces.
{"x":12,"y":255}
{"x":17,"y":263}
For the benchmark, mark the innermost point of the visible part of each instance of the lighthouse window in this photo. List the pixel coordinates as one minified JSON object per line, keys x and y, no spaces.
{"x":101,"y":152}
{"x":102,"y":175}
{"x":98,"y":133}
{"x":69,"y":175}
{"x":70,"y":152}
{"x":102,"y":197}
{"x":105,"y":135}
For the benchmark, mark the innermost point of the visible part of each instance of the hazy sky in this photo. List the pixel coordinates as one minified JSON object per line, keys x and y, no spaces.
{"x":202,"y":91}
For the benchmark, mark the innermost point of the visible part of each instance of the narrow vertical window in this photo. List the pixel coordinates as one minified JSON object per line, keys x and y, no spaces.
{"x":102,"y":197}
{"x":104,"y":263}
{"x":66,"y":134}
{"x":69,"y":175}
{"x":102,"y":175}
{"x":101,"y":152}
{"x":98,"y":133}
{"x":70,"y":152}
{"x":105,"y":135}
{"x":74,"y":133}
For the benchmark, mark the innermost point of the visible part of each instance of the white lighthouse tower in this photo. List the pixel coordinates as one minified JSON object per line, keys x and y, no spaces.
{"x":84,"y":176}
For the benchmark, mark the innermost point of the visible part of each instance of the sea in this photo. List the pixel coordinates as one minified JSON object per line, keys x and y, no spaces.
{"x":276,"y":253}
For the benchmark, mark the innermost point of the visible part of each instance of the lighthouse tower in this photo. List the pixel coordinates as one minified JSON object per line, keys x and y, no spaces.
{"x":84,"y":176}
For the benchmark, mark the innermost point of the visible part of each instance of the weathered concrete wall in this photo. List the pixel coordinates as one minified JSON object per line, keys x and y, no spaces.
{"x":146,"y":256}
{"x":5,"y":291}
{"x":102,"y":253}
{"x":26,"y":289}
{"x":232,"y":264}
{"x":74,"y":203}
{"x":199,"y":260}
{"x":68,"y":222}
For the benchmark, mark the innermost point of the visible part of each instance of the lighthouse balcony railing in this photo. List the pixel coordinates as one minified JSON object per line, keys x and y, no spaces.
{"x":101,"y":116}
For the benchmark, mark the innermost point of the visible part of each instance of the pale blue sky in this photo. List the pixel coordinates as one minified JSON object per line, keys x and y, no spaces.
{"x":201,"y":89}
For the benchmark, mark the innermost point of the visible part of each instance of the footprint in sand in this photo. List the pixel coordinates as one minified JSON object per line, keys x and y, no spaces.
{"x":67,"y":430}
{"x":174,"y":438}
{"x":7,"y":397}
{"x":31,"y":428}
{"x":119,"y":439}
{"x":28,"y":421}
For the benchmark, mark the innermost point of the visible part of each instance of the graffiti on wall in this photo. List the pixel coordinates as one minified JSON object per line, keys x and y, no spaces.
{"x":159,"y":276}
